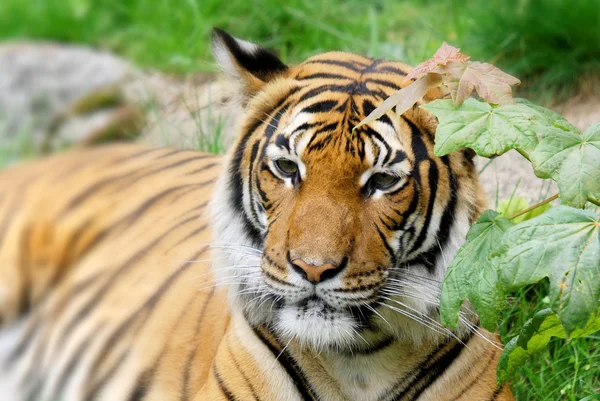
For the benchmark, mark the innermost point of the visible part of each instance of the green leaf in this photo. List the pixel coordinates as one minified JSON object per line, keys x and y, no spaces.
{"x":510,"y":207}
{"x":472,"y":275}
{"x":545,"y":117}
{"x":572,"y":160}
{"x":485,"y":129}
{"x":563,"y":245}
{"x":534,"y":337}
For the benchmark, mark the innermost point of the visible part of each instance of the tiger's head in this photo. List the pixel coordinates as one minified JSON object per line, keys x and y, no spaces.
{"x":328,"y":235}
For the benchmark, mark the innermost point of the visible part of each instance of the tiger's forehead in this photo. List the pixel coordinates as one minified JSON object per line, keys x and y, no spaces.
{"x":337,"y":91}
{"x":351,"y":66}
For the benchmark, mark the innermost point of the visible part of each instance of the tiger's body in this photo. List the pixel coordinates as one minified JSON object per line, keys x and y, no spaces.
{"x":311,"y":286}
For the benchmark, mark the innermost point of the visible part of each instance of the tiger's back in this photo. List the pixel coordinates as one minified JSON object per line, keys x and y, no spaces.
{"x":104,"y":275}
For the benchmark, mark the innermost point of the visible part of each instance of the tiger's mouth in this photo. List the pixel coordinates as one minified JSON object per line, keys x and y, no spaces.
{"x":314,"y":322}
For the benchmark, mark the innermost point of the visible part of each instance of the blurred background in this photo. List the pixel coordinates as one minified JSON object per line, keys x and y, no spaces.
{"x":77,"y":72}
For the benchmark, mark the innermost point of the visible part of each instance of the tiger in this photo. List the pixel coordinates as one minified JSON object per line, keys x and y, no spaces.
{"x":305,"y":264}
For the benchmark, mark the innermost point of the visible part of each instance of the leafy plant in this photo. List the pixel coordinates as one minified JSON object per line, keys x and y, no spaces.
{"x":505,"y":253}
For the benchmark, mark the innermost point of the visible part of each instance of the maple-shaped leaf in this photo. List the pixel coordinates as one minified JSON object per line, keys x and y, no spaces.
{"x":486,"y":129}
{"x":471,"y":273}
{"x":572,"y":160}
{"x":442,"y":56}
{"x":563,"y":245}
{"x":491,"y":83}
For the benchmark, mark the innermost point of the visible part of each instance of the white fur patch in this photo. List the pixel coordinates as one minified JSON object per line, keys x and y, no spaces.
{"x":225,"y":59}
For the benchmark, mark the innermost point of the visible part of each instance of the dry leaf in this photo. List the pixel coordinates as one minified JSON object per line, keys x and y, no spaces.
{"x":405,"y":98}
{"x":442,"y":57}
{"x":491,"y":84}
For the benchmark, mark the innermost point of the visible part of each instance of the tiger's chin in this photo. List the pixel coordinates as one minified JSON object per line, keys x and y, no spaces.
{"x":314,"y":324}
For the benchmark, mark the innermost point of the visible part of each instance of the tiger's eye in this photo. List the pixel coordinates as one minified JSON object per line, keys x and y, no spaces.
{"x":383,"y":181}
{"x":286,"y":167}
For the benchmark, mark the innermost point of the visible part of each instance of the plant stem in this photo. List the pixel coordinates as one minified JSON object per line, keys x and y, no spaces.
{"x":530,"y":208}
{"x":594,"y":201}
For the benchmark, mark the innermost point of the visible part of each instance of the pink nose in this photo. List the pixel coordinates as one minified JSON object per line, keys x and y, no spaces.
{"x":313,"y":273}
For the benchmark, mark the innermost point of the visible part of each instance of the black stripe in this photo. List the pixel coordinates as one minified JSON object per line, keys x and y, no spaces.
{"x":312,"y":144}
{"x":67,"y":373}
{"x":357,"y":88}
{"x":372,"y":133}
{"x":135,"y":155}
{"x":143,"y":313}
{"x":385,"y":83}
{"x":291,"y":367}
{"x":239,"y":368}
{"x":369,"y":107}
{"x":142,"y":385}
{"x":346,"y":64}
{"x":226,"y":392}
{"x":25,"y":289}
{"x":497,"y":393}
{"x":32,"y":331}
{"x":320,"y":107}
{"x":132,"y":217}
{"x":169,"y":153}
{"x":145,"y":379}
{"x":91,"y":190}
{"x":323,"y":75}
{"x":192,"y":355}
{"x":101,"y":382}
{"x":127,"y":185}
{"x":199,"y":207}
{"x":87,"y":308}
{"x":435,"y":372}
{"x":386,"y":245}
{"x":430,"y":257}
{"x":283,"y":142}
{"x":399,"y":156}
{"x":253,"y":220}
{"x":414,"y":203}
{"x":391,"y":70}
{"x":375,"y":348}
{"x":277,"y":280}
{"x":433,"y":176}
{"x":235,"y":171}
{"x":203,"y":168}
{"x":434,"y":365}
{"x":486,"y":365}
{"x":197,"y":231}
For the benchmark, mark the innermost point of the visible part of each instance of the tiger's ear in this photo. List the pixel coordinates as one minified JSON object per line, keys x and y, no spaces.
{"x":251,"y":64}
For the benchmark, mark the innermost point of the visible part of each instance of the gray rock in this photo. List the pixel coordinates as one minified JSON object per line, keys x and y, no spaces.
{"x":43,"y":86}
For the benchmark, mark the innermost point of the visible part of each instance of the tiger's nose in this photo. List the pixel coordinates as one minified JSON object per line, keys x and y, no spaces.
{"x":314,"y":273}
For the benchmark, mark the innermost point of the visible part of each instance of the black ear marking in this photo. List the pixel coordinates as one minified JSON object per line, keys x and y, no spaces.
{"x":236,"y":54}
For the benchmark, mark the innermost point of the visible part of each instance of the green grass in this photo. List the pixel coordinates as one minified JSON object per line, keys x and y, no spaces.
{"x":550,"y":44}
{"x":566,"y":370}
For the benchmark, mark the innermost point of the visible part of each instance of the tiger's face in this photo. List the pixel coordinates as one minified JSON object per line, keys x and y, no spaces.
{"x":334,"y":236}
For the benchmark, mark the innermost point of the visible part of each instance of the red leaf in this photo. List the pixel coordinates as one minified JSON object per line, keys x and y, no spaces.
{"x":442,"y":56}
{"x":491,"y":83}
